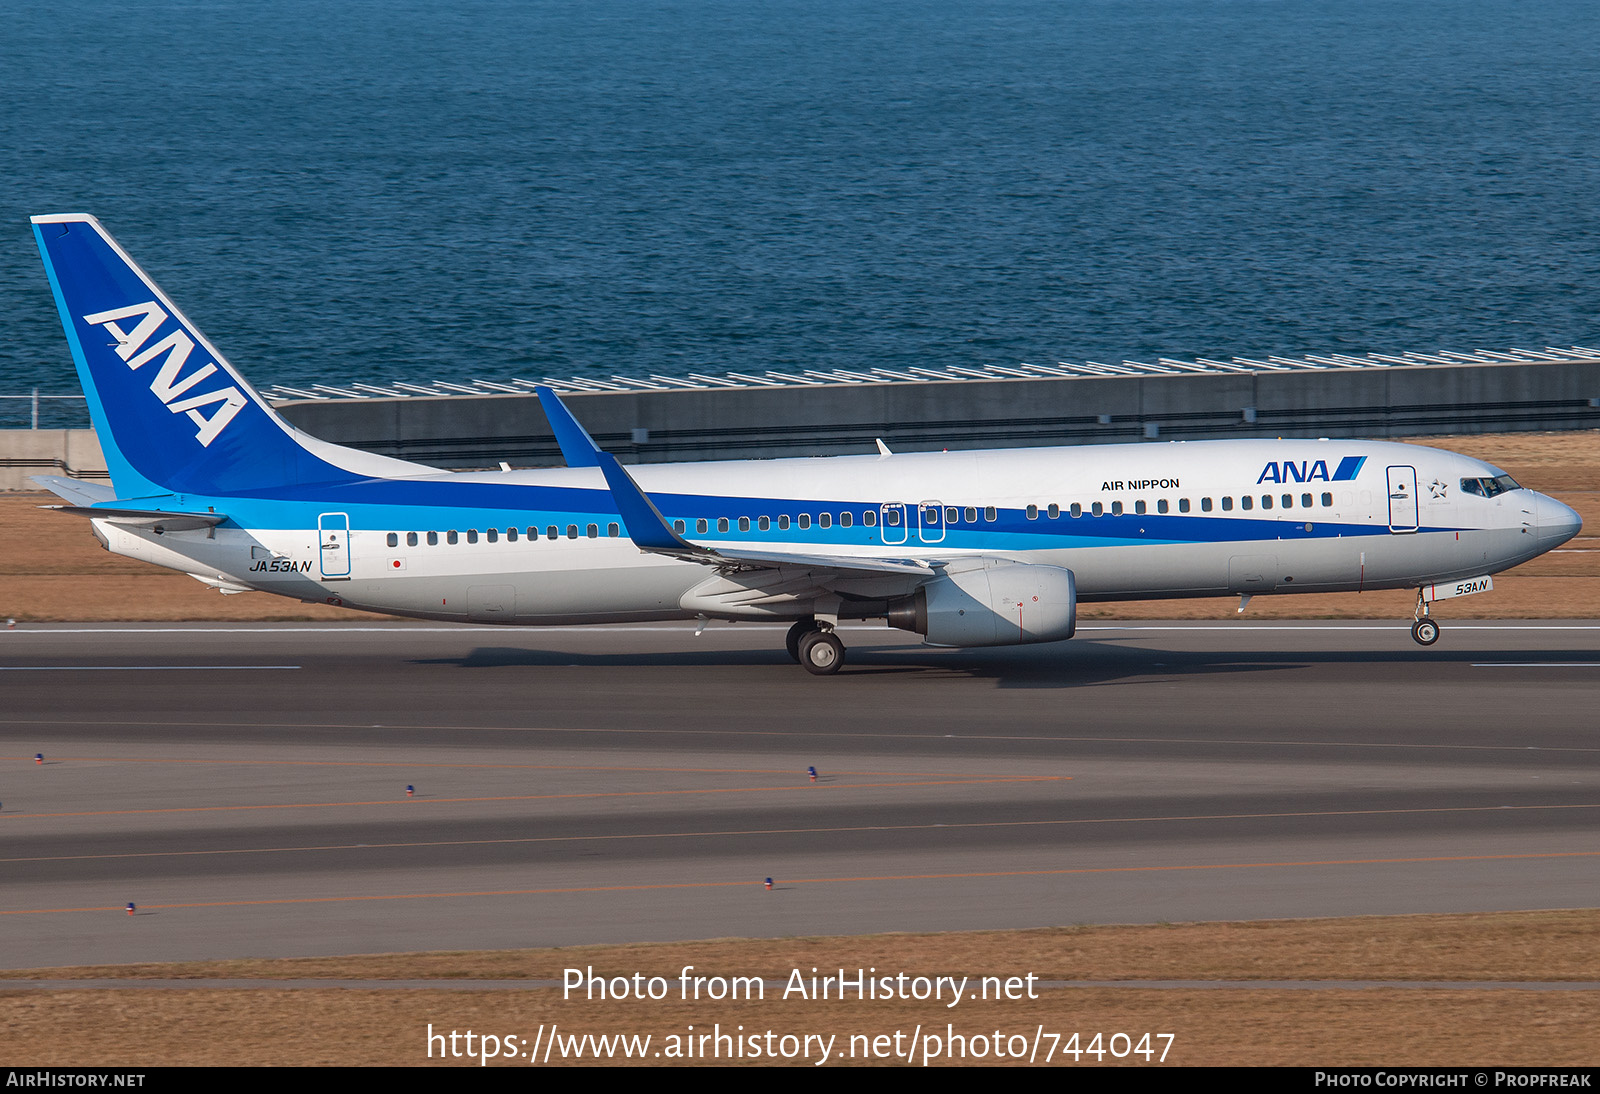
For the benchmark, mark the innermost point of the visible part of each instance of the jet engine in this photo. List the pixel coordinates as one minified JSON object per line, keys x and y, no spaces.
{"x":991,"y":602}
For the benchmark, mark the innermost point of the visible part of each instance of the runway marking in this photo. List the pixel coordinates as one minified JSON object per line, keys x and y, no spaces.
{"x":683,"y":625}
{"x":1536,"y":664}
{"x":140,"y":668}
{"x":413,"y":802}
{"x":1369,"y":627}
{"x":748,"y":884}
{"x":224,"y":762}
{"x":808,"y":733}
{"x":795,"y":832}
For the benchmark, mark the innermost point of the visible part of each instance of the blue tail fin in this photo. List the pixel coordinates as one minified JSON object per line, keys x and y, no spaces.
{"x":171,"y":414}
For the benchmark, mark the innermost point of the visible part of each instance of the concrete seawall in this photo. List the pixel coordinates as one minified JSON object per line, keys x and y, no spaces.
{"x":832,"y":419}
{"x":751,"y":423}
{"x":71,"y":452}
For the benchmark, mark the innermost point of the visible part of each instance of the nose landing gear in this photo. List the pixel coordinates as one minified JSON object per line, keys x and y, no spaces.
{"x":1424,"y":630}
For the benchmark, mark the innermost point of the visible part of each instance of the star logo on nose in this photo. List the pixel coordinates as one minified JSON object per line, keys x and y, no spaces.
{"x":1437,"y":489}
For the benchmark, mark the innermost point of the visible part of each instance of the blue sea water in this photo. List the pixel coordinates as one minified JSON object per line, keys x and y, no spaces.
{"x":373,"y":191}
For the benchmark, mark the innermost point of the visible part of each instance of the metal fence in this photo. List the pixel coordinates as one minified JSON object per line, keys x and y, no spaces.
{"x":36,"y":410}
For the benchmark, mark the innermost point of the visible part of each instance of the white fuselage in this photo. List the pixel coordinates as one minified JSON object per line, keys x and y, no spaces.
{"x":1147,"y":521}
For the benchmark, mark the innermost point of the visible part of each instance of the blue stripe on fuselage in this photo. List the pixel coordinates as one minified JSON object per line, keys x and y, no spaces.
{"x":385,"y":505}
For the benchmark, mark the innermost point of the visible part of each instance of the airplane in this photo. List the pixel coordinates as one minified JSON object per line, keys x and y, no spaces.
{"x":966,"y":548}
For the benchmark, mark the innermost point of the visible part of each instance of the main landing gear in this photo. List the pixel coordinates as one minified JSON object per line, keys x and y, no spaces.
{"x":1424,"y":630}
{"x":815,"y":646}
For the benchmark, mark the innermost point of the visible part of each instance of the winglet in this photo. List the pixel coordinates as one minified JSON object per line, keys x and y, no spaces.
{"x":646,"y":526}
{"x":577,"y":447}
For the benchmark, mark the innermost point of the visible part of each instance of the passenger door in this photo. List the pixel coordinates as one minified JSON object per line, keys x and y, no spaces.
{"x":333,"y":535}
{"x":1402,"y":499}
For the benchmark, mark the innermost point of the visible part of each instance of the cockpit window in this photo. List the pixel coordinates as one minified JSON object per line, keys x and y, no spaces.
{"x":1488,"y":488}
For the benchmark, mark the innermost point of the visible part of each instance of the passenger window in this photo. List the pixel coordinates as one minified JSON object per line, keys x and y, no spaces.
{"x":1305,"y":501}
{"x":1183,"y":505}
{"x":1266,"y":501}
{"x":594,"y":531}
{"x":1076,"y":510}
{"x":552,"y":532}
{"x":678,"y":527}
{"x":951,"y":514}
{"x":394,"y":539}
{"x":722,"y":524}
{"x":744,"y":524}
{"x":613,"y":530}
{"x":1097,"y":509}
{"x":846,"y":519}
{"x":411,"y":539}
{"x":1205,"y":505}
{"x":533,"y":534}
{"x":824,"y":520}
{"x":783,"y":523}
{"x":1138,"y":508}
{"x":805,"y":520}
{"x":433,"y":539}
{"x":1116,"y":508}
{"x":450,"y":536}
{"x":1244,"y":502}
{"x":494,"y":535}
{"x":764,"y":523}
{"x":1327,"y":501}
{"x":1227,"y":504}
{"x":972,"y":514}
{"x":870,"y":518}
{"x":1054,"y":511}
{"x":572,"y":531}
{"x":472,"y":535}
{"x":892,"y":518}
{"x":701,"y":526}
{"x":1161,"y":506}
{"x":989,"y":513}
{"x":1033,"y":512}
{"x":1288,"y":501}
{"x":511,"y":535}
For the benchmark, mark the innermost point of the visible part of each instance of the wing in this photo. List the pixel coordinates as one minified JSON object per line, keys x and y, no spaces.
{"x":650,"y":531}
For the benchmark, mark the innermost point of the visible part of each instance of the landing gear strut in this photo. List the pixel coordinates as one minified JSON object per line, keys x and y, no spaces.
{"x":1424,"y":630}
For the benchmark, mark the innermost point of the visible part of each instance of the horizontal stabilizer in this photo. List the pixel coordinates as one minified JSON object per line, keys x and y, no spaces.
{"x":152,"y":518}
{"x":76,"y":491}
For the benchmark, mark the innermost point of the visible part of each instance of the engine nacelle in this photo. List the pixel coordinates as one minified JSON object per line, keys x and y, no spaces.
{"x":992,"y":603}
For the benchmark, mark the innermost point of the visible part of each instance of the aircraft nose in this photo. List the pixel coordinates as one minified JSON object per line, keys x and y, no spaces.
{"x":1557,"y":522}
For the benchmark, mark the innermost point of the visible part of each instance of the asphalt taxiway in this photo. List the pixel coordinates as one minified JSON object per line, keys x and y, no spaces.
{"x":245,"y":786}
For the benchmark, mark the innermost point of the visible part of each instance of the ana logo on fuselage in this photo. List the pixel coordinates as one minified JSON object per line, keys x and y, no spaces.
{"x":1311,"y":470}
{"x":167,"y":385}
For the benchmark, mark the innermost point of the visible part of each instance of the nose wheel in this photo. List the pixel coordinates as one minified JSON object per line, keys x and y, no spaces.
{"x":1424,"y":630}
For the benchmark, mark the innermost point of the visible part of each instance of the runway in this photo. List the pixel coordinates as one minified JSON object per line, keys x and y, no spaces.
{"x":245,"y":786}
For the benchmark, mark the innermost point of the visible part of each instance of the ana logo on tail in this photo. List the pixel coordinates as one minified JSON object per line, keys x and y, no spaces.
{"x":167,"y":385}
